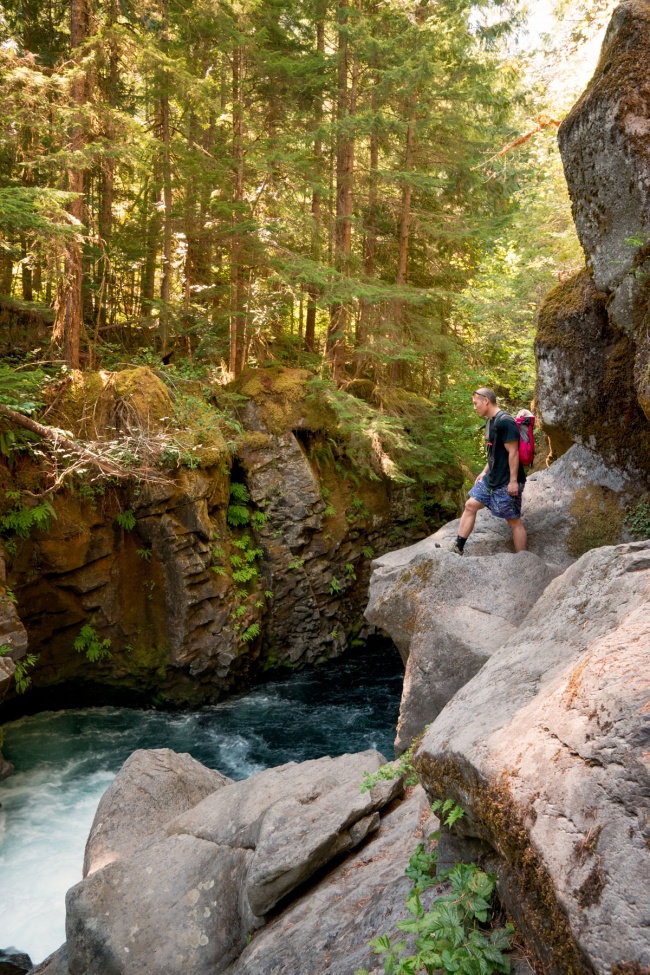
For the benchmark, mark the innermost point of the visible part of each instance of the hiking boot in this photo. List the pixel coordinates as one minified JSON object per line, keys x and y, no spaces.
{"x":455,"y":550}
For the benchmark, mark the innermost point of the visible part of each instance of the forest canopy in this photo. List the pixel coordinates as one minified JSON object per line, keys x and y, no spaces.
{"x":369,"y":189}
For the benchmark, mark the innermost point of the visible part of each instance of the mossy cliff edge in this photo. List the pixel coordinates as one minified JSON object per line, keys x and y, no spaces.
{"x":248,"y":550}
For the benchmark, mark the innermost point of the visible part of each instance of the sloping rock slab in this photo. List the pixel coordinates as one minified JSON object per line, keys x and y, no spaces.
{"x":326,"y":931}
{"x":546,"y":512}
{"x":447,"y":615}
{"x":548,"y":751}
{"x":187,"y":900}
{"x":152,"y":787}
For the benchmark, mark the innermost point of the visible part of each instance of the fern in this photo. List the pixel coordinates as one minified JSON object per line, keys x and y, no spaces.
{"x":126,"y":520}
{"x":22,"y":520}
{"x":89,"y":643}
{"x":250,"y":633}
{"x":239,"y":493}
{"x":237,"y":515}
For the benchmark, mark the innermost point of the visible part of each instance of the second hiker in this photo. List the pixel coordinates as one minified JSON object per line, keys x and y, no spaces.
{"x":500,"y":485}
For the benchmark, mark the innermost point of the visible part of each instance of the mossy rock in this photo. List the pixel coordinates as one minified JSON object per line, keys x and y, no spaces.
{"x":284,"y":400}
{"x":94,"y":405}
{"x":598,"y":517}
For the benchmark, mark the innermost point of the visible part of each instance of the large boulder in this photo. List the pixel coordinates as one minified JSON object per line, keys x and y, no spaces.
{"x":605,"y":146}
{"x":447,"y":616}
{"x":187,"y":900}
{"x":327,"y":930}
{"x":152,"y":787}
{"x":585,"y":378}
{"x":547,"y":750}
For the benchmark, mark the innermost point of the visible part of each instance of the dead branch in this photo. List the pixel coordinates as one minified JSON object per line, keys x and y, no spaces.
{"x":541,"y":122}
{"x":93,"y":455}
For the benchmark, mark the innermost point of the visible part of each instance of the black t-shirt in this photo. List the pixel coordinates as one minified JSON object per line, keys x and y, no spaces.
{"x":502,"y":429}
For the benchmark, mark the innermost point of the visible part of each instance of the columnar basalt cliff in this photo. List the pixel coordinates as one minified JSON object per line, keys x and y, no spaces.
{"x":224,"y":567}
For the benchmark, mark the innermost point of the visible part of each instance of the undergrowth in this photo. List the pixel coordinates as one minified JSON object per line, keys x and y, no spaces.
{"x":455,"y":934}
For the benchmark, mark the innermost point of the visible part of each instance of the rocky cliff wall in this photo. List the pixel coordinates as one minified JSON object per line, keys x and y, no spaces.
{"x":593,"y":351}
{"x":226,"y":568}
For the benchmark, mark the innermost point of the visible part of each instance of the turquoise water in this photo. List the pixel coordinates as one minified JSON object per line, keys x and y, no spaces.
{"x":65,"y":760}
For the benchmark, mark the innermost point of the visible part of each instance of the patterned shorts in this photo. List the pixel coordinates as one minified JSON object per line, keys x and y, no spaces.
{"x":498,"y":501}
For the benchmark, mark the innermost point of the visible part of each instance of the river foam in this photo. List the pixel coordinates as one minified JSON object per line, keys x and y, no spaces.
{"x":65,"y":760}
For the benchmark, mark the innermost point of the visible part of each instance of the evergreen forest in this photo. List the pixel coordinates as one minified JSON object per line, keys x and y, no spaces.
{"x":367,"y":189}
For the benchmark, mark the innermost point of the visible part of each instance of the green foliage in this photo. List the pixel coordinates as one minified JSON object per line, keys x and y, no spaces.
{"x":239,"y":493}
{"x":335,"y":586}
{"x":89,"y":643}
{"x":250,"y":633}
{"x":21,"y":390}
{"x":448,"y":812}
{"x":126,"y":520}
{"x":638,"y":520}
{"x":450,"y":937}
{"x":368,"y":552}
{"x":144,"y":554}
{"x":238,"y":515}
{"x":296,"y":563}
{"x":349,"y":571}
{"x":22,"y":666}
{"x":402,"y":766}
{"x":22,"y":519}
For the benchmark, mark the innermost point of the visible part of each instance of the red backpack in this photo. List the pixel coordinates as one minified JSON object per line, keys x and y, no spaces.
{"x":526,"y":439}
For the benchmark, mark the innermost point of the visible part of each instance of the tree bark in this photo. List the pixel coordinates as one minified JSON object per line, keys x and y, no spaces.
{"x":68,"y":325}
{"x":312,"y":290}
{"x":107,"y":176}
{"x":165,"y":137}
{"x":404,"y":233}
{"x":346,"y":107}
{"x":237,"y":282}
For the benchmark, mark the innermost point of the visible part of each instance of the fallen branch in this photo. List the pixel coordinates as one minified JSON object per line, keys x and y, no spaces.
{"x":61,"y":440}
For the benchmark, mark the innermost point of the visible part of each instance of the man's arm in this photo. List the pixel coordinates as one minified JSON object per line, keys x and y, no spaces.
{"x":512,"y":446}
{"x":482,"y":474}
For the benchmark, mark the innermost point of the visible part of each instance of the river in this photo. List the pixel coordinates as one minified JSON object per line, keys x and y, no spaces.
{"x":65,"y":760}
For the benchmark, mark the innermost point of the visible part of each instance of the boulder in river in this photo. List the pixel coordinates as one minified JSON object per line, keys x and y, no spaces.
{"x":547,"y":749}
{"x":188,"y":898}
{"x":153,"y":786}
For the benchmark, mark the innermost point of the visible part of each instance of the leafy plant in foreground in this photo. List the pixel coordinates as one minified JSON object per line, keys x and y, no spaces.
{"x":452,"y":936}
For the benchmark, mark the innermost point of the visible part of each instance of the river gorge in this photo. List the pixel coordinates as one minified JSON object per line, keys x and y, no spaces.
{"x":66,"y":759}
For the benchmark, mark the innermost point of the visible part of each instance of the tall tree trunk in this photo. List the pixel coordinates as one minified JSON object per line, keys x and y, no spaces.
{"x":404,"y":233}
{"x":151,"y":233}
{"x":346,"y":107}
{"x":165,"y":136}
{"x":312,"y":290}
{"x":68,"y":325}
{"x":107,"y":176}
{"x":237,"y":282}
{"x":26,"y":271}
{"x":370,"y":238}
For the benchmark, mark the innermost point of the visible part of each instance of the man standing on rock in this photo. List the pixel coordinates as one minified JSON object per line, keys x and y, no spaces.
{"x":500,"y":484}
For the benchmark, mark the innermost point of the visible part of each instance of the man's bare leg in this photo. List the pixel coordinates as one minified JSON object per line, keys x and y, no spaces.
{"x":519,"y":536}
{"x":468,"y":517}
